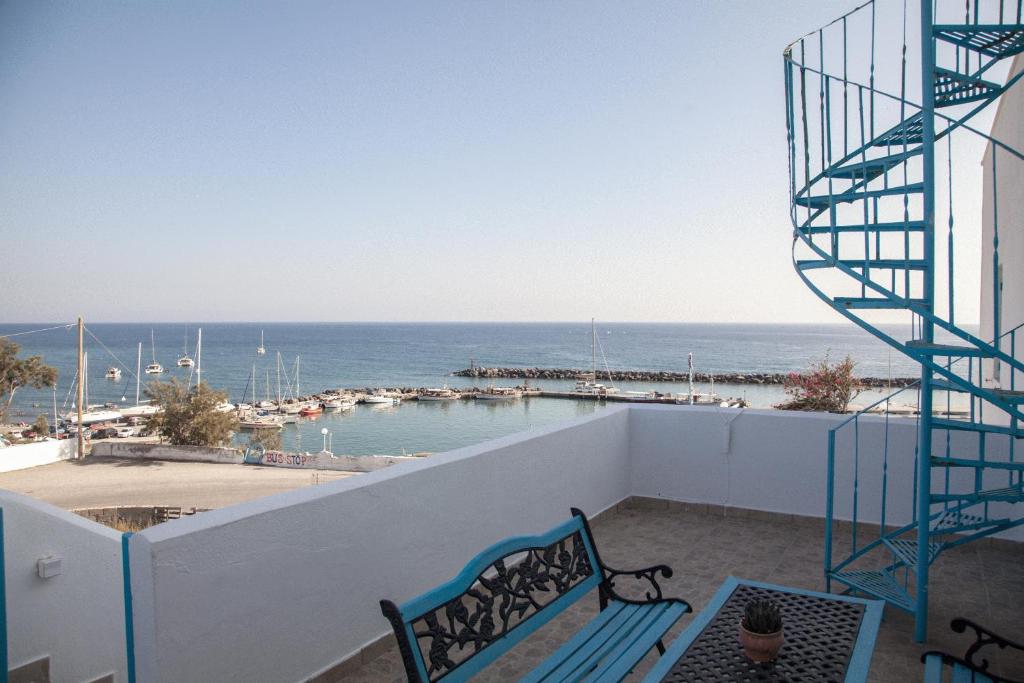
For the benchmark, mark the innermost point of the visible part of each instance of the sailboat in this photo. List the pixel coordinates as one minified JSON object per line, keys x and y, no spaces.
{"x":153,"y":368}
{"x":261,"y":350}
{"x":185,"y":361}
{"x":587,"y":382}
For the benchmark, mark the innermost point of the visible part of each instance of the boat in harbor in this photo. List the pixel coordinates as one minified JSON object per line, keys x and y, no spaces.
{"x":493,"y":393}
{"x":261,"y":422}
{"x":153,"y":368}
{"x":381,"y":398}
{"x":113,"y":372}
{"x":261,"y":350}
{"x":443,"y":394}
{"x":587,"y":384}
{"x":311,"y":409}
{"x":337,"y":403}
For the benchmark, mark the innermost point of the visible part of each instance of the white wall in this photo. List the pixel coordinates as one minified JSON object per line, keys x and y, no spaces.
{"x":280,"y":588}
{"x":28,"y":455}
{"x":159,"y":451}
{"x":777,"y":461}
{"x":76,"y":618}
{"x":1008,"y":127}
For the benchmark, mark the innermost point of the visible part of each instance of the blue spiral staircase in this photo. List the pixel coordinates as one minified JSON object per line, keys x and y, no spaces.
{"x":867,"y":164}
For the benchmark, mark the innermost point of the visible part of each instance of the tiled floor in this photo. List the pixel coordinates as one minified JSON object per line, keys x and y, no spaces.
{"x":981,"y":581}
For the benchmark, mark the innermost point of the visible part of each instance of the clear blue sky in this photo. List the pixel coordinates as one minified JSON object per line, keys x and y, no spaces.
{"x":398,"y":161}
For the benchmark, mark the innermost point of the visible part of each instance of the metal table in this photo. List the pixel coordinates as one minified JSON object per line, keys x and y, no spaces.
{"x":828,"y":638}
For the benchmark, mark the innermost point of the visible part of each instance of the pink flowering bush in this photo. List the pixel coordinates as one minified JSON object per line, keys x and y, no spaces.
{"x":826,"y":387}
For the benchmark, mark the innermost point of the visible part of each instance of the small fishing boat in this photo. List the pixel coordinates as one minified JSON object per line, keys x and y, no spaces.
{"x":381,"y":398}
{"x":499,"y":394}
{"x":113,"y":373}
{"x":310,"y":410}
{"x":444,"y":394}
{"x":259,"y":423}
{"x":337,"y":402}
{"x":290,"y":408}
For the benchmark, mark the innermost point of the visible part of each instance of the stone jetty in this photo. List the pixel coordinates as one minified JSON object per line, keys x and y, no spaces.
{"x":661,"y":376}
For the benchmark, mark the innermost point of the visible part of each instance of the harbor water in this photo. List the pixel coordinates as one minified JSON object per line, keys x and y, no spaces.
{"x":356,"y":355}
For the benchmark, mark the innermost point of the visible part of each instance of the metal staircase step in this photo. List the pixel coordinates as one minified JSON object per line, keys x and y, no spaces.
{"x":823,"y":201}
{"x":1005,"y":395}
{"x":905,"y":549}
{"x":873,"y":168}
{"x":908,"y":226}
{"x":952,"y":88}
{"x":952,"y":521}
{"x":910,"y":132}
{"x":890,"y":264}
{"x":965,"y":426}
{"x":977,"y":464}
{"x":1007,"y":494}
{"x":857,"y":302}
{"x":880,"y":584}
{"x":992,"y":40}
{"x":953,"y":350}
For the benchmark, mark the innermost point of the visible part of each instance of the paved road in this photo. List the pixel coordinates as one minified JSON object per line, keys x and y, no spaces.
{"x":109,"y":482}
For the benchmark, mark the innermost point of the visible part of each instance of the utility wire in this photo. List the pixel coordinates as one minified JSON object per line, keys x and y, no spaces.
{"x":112,"y":354}
{"x":45,"y":329}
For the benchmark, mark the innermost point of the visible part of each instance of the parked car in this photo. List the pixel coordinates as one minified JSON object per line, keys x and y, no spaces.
{"x":105,"y":433}
{"x":125,"y":432}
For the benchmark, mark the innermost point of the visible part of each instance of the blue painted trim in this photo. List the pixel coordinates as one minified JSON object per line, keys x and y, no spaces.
{"x":475,"y":567}
{"x":129,"y":623}
{"x":3,"y":606}
{"x":860,"y":658}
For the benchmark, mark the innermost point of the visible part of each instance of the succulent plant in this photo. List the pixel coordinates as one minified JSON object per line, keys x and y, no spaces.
{"x":762,"y":615}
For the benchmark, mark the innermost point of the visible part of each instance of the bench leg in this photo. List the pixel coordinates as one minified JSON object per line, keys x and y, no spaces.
{"x":661,"y":647}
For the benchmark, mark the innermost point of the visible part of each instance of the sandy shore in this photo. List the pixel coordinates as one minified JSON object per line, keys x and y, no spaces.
{"x":108,"y":482}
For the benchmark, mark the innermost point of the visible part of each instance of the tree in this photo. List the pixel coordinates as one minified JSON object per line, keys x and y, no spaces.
{"x":16,"y":373}
{"x":270,"y":439}
{"x":825,"y":387}
{"x":190,"y":417}
{"x":41,"y":426}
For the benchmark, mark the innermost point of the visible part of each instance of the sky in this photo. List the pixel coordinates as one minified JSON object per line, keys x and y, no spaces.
{"x":399,"y":161}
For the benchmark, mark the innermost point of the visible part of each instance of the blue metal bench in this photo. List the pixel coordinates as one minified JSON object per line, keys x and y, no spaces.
{"x":516,"y":586}
{"x":966,"y":669}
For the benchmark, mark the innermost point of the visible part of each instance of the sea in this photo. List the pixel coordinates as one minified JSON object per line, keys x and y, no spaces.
{"x":356,"y":355}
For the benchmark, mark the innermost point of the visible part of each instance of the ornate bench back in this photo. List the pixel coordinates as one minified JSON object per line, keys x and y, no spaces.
{"x":504,"y":594}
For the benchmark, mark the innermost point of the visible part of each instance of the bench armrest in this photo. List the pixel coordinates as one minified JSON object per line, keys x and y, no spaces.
{"x":983,"y":637}
{"x":653,"y":592}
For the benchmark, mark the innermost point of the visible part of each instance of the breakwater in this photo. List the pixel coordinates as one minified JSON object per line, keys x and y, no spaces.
{"x":660,"y":376}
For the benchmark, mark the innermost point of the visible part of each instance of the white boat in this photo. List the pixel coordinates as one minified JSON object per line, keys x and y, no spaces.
{"x":153,"y":368}
{"x":337,"y":403}
{"x":185,"y":361}
{"x":444,"y":394}
{"x":140,"y":410}
{"x":695,"y":398}
{"x":259,"y":423}
{"x":94,"y":416}
{"x":381,"y":399}
{"x":587,"y":383}
{"x":499,"y":394}
{"x":290,"y":408}
{"x":113,"y":373}
{"x":261,"y":350}
{"x":225,"y":407}
{"x":266,"y":405}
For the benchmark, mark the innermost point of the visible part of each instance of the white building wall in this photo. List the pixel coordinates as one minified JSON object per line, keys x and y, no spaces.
{"x":1008,"y":127}
{"x":280,"y":588}
{"x":28,"y":455}
{"x":76,"y":618}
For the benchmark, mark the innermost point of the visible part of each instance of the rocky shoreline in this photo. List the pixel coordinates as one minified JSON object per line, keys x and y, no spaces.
{"x":661,"y":376}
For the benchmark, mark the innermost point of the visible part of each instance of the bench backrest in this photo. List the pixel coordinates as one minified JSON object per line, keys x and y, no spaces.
{"x":504,"y":594}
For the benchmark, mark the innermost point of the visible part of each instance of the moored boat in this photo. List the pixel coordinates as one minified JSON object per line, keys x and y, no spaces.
{"x":113,"y":372}
{"x":498,"y":394}
{"x":444,"y":394}
{"x":310,"y":410}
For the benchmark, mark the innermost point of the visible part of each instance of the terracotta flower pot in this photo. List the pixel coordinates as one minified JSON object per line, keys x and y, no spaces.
{"x":761,"y":647}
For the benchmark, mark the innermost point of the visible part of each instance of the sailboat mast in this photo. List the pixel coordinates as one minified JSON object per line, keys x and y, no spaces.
{"x":81,"y":391}
{"x":297,"y":376}
{"x":278,"y":379}
{"x":593,"y":349}
{"x":85,"y":373}
{"x":138,"y":369}
{"x":152,"y":343}
{"x":689,"y":361}
{"x":199,"y":357}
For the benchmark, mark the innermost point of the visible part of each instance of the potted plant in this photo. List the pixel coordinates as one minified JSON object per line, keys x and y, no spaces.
{"x":761,"y":630}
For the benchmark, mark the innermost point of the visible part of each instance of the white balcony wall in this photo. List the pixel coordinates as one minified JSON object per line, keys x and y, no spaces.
{"x":776,"y":461}
{"x":39,"y":453}
{"x":76,"y":618}
{"x":280,"y":588}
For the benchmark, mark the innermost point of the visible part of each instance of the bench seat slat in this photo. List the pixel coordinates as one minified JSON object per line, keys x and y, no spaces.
{"x":616,"y":669}
{"x":586,"y":636}
{"x":628,"y":633}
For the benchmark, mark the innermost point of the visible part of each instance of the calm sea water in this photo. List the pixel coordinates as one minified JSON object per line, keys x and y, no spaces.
{"x":336,"y":355}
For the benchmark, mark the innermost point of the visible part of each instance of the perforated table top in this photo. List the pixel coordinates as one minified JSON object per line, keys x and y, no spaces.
{"x":821,"y":636}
